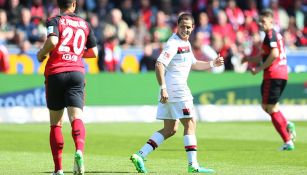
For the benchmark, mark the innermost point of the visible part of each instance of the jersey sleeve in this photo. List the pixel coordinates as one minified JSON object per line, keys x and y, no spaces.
{"x":273,"y":40}
{"x":52,"y":27}
{"x":91,"y":39}
{"x":168,"y":52}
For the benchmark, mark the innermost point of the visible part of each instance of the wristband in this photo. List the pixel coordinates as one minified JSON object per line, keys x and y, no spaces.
{"x":163,"y":87}
{"x":211,"y":64}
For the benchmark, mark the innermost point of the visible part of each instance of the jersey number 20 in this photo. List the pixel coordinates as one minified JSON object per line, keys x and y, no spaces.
{"x":68,"y":34}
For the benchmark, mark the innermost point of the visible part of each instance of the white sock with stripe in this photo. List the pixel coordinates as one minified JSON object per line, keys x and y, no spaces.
{"x":155,"y":140}
{"x":190,"y":144}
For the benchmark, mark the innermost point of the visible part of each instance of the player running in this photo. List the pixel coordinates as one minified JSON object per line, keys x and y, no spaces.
{"x":69,"y":39}
{"x":176,"y":101}
{"x":275,"y":78}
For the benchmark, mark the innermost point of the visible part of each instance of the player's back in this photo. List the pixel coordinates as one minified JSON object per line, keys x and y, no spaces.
{"x":72,"y":32}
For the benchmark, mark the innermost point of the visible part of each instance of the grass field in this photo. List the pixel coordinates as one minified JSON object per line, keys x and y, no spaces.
{"x":236,"y":148}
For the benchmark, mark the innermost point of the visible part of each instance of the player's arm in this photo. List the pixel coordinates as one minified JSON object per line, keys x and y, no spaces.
{"x":91,"y":53}
{"x":52,"y":39}
{"x":48,"y":46}
{"x":204,"y":65}
{"x":160,"y":72}
{"x":255,"y":59}
{"x":273,"y":55}
{"x":169,"y":51}
{"x":91,"y":45}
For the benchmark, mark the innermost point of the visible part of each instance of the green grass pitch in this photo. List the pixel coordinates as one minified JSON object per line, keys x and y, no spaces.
{"x":231,"y":148}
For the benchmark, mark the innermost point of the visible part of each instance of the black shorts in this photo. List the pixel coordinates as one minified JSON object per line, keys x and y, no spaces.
{"x":65,"y":89}
{"x":271,"y":90}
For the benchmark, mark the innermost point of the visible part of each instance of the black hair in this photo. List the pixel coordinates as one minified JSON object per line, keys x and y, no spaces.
{"x":64,"y":4}
{"x":185,"y":16}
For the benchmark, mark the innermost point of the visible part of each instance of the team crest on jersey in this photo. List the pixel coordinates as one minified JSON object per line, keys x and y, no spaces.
{"x":166,"y":55}
{"x":186,"y":111}
{"x":184,"y":49}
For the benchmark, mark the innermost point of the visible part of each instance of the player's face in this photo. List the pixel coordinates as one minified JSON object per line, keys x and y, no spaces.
{"x":185,"y":28}
{"x":265,"y":23}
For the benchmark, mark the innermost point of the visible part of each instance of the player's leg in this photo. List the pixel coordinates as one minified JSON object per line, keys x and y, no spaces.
{"x":278,"y":120}
{"x":271,"y":92}
{"x":190,"y":145}
{"x":78,"y":135}
{"x":169,"y":129}
{"x":290,"y":125}
{"x":55,"y":104}
{"x":74,"y":99}
{"x":190,"y":141}
{"x":185,"y":111}
{"x":281,"y":125}
{"x":56,"y":139}
{"x":77,"y":127}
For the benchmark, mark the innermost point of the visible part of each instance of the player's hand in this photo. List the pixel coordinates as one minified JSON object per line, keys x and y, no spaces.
{"x":164,"y":96}
{"x":40,"y":56}
{"x":219,"y":61}
{"x":255,"y":70}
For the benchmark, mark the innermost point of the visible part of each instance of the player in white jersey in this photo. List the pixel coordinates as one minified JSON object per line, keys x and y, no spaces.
{"x":176,"y":101}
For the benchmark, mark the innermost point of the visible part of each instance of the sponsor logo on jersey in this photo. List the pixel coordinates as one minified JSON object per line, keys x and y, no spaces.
{"x":69,"y":57}
{"x":185,"y":49}
{"x":166,"y":55}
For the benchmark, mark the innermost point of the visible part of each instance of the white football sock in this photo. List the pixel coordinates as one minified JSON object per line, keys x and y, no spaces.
{"x":155,"y":140}
{"x":190,"y":144}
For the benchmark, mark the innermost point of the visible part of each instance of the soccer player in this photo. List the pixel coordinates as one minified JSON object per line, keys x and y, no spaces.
{"x":275,"y":78}
{"x":69,"y":39}
{"x":176,"y":101}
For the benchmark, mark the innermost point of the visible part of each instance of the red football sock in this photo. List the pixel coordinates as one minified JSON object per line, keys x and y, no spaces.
{"x":78,"y":134}
{"x":280,"y":124}
{"x":56,"y":144}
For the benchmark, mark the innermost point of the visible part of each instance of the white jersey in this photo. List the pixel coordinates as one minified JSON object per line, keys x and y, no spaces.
{"x":177,"y":57}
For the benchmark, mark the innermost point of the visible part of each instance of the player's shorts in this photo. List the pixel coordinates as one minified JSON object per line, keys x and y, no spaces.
{"x":65,"y":89}
{"x":176,"y":110}
{"x":271,"y":90}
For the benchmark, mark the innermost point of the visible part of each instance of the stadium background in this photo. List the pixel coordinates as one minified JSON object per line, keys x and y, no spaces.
{"x":130,"y":35}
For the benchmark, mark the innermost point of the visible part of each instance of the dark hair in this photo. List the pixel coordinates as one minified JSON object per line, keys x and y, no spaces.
{"x":266,"y":13}
{"x":64,"y":4}
{"x":185,"y":16}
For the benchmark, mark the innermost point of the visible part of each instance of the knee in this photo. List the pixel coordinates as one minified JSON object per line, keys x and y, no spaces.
{"x":169,"y":132}
{"x":172,"y":132}
{"x":265,"y":108}
{"x":270,"y":109}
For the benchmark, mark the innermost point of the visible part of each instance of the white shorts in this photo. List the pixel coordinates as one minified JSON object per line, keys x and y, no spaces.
{"x":176,"y":110}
